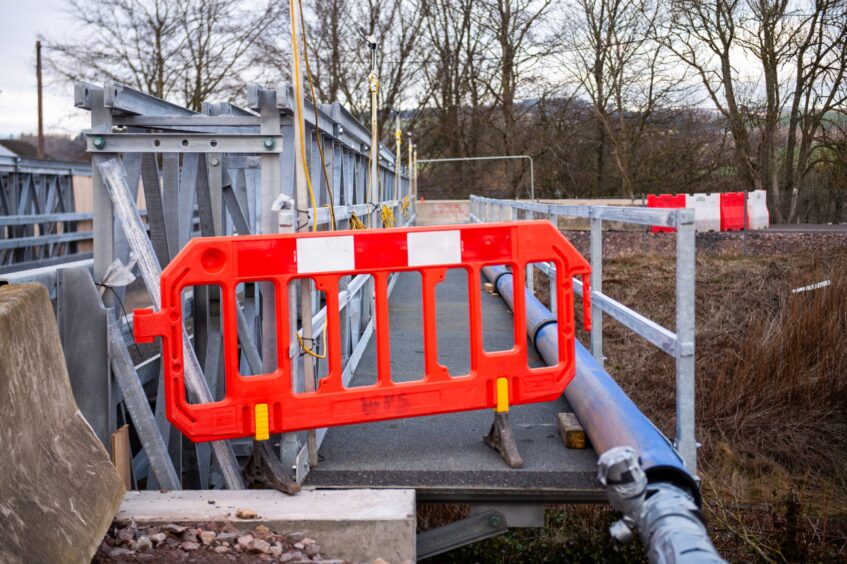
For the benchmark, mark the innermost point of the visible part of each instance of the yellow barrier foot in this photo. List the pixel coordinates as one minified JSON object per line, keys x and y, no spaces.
{"x":500,"y":437}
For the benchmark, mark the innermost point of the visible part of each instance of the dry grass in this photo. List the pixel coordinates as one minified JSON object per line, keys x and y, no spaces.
{"x":771,"y":392}
{"x":771,"y":364}
{"x":771,"y":405}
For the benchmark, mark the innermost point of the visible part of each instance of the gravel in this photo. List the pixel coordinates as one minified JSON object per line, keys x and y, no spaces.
{"x":207,"y":542}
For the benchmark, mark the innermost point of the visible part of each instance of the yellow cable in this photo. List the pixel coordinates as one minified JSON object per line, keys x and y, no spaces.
{"x":318,"y":141}
{"x":355,"y":222}
{"x":309,"y":351}
{"x":298,"y":93}
{"x":387,"y":216}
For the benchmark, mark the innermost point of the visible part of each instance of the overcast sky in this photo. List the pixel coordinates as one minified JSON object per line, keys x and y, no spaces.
{"x":21,"y":22}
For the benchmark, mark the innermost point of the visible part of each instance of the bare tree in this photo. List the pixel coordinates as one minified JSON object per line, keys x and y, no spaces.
{"x":185,"y":50}
{"x":332,"y":37}
{"x":704,"y":35}
{"x":818,"y":93}
{"x":514,"y":25}
{"x":342,"y":57}
{"x":452,"y":84}
{"x":800,"y":51}
{"x":219,"y":39}
{"x":452,"y":88}
{"x":126,"y":41}
{"x":610,"y":49}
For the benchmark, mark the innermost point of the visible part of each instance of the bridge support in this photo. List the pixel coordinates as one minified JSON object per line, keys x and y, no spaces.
{"x":485,"y":521}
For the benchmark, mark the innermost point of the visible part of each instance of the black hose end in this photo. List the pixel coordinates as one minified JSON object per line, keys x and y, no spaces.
{"x":678,"y":477}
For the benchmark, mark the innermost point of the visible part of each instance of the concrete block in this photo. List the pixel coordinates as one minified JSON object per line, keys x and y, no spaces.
{"x":443,"y":212}
{"x":58,"y":489}
{"x":357,"y":524}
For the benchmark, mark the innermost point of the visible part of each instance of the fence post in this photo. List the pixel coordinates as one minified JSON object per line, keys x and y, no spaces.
{"x":686,"y":443}
{"x":596,"y":253}
{"x":103,"y":226}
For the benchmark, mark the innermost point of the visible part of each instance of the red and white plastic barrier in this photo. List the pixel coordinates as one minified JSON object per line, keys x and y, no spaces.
{"x":718,"y":211}
{"x":757,"y":210}
{"x":707,"y":211}
{"x":665,"y":201}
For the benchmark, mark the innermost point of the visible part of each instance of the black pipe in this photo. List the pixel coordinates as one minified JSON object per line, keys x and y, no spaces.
{"x":609,"y":417}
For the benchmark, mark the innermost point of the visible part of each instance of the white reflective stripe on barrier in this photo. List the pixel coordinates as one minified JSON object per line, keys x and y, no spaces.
{"x":707,"y":211}
{"x":757,"y":209}
{"x":325,"y":254}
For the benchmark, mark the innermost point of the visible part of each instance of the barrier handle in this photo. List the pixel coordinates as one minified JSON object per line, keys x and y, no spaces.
{"x":148,"y":324}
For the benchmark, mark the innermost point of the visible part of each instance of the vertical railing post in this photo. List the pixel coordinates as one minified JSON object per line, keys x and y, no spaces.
{"x":596,"y":226}
{"x":103,"y":228}
{"x":686,"y":443}
{"x":104,"y":217}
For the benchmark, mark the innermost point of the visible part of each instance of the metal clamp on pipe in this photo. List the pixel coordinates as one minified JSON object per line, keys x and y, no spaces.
{"x":669,"y":522}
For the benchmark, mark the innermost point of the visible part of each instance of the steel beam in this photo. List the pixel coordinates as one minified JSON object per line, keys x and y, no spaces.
{"x":97,"y":142}
{"x":139,"y":411}
{"x":115,"y":180}
{"x":121,"y":98}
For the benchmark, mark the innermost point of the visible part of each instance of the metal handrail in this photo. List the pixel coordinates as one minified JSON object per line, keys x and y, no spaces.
{"x":678,"y":344}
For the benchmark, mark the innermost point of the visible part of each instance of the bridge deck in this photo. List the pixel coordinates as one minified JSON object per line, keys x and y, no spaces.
{"x":443,"y":457}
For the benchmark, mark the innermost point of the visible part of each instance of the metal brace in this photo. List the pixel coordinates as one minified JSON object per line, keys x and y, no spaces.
{"x":501,"y":439}
{"x":484,"y":521}
{"x":264,"y":470}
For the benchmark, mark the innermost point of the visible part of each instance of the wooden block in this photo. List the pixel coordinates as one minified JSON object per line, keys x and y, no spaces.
{"x":489,"y":287}
{"x":121,"y":455}
{"x":573,"y":435}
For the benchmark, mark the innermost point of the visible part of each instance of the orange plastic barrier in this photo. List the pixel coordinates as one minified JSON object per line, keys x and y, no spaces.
{"x":665,"y":201}
{"x":732,"y":211}
{"x":326,"y":257}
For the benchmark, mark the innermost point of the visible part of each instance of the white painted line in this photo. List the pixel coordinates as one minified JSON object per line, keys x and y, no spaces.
{"x":434,"y":247}
{"x":823,"y":284}
{"x":325,"y":254}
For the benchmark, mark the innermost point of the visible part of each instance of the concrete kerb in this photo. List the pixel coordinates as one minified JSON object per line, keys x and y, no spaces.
{"x":357,"y":524}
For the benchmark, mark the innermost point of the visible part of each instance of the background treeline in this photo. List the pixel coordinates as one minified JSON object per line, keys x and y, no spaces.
{"x":611,"y":98}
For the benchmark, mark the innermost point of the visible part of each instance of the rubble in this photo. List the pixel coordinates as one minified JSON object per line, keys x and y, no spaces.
{"x":207,"y":542}
{"x":246,"y":514}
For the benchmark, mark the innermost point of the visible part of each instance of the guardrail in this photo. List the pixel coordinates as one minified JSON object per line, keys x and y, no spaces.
{"x":679,"y":343}
{"x":39,"y":224}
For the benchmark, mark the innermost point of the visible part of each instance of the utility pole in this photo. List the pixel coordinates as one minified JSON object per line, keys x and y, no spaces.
{"x":40,"y":100}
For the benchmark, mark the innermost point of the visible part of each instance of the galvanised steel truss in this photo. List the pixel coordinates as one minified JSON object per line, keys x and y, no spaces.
{"x":38,"y":221}
{"x":226,"y":170}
